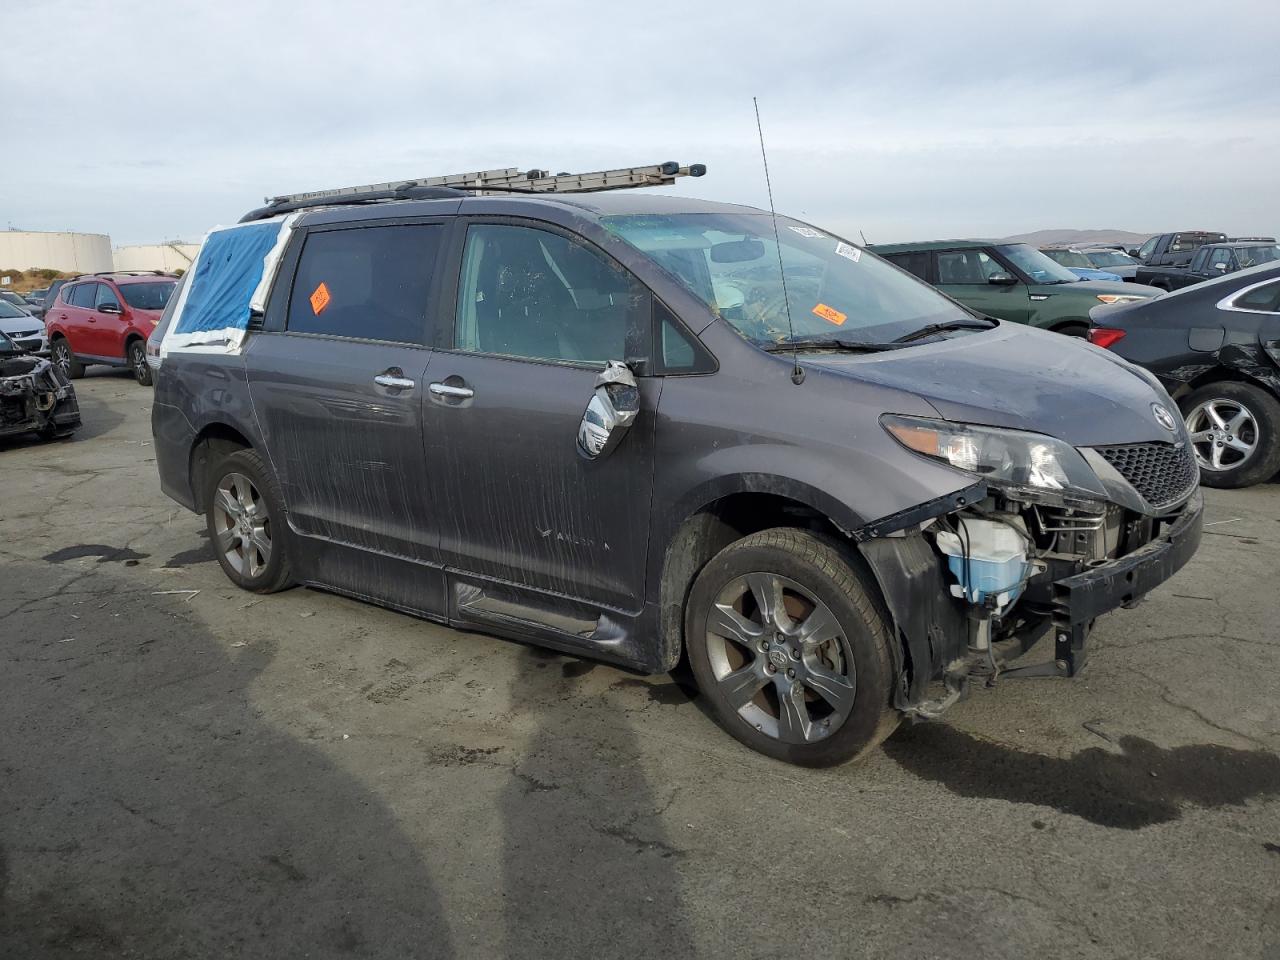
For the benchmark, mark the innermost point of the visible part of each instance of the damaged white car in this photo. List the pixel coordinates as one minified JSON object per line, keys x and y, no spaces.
{"x":35,"y":396}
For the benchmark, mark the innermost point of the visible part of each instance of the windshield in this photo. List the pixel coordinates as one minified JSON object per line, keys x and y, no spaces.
{"x":8,"y":310}
{"x":1036,"y":265}
{"x":1252,"y":256}
{"x":1069,"y":258}
{"x":147,"y":296}
{"x":1110,"y":258}
{"x":835,"y":290}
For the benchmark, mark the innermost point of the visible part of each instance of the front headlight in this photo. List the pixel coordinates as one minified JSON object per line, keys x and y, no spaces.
{"x":1118,"y":297}
{"x":1012,"y":458}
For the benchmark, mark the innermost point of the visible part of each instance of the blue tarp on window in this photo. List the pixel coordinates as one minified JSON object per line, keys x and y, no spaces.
{"x":227,"y":272}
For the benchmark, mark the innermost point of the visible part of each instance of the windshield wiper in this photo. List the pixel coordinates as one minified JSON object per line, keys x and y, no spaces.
{"x":824,"y":343}
{"x":971,"y":324}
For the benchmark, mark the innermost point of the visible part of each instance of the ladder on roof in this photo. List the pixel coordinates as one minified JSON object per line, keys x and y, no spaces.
{"x":510,"y":180}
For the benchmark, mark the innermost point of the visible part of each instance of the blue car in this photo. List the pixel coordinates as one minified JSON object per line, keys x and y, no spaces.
{"x":1078,"y":263}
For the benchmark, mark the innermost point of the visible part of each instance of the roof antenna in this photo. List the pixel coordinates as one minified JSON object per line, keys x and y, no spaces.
{"x":797,"y":372}
{"x":864,"y":238}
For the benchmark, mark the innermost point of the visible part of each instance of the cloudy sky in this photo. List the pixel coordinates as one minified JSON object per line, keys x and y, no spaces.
{"x":152,"y":121}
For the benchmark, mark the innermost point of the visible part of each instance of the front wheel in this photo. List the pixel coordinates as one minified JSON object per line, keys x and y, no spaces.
{"x":1235,"y":430}
{"x":137,"y":355}
{"x":246,"y":521}
{"x":788,"y":646}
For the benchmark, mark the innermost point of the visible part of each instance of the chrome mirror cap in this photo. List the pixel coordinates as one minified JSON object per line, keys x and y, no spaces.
{"x":610,"y":412}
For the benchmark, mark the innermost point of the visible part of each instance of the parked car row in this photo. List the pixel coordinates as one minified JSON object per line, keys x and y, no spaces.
{"x":1011,"y":281}
{"x":1211,"y":260}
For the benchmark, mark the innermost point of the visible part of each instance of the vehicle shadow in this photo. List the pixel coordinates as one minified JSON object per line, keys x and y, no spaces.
{"x":588,"y":869}
{"x":148,"y":809}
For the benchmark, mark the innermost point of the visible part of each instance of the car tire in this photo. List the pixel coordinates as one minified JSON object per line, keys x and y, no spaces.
{"x":137,"y":356}
{"x":1251,"y":417}
{"x":763,"y":682}
{"x":245,"y":517}
{"x":61,"y":354}
{"x":1073,"y":329}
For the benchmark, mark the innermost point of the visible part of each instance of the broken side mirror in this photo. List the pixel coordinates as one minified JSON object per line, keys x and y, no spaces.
{"x":610,"y":413}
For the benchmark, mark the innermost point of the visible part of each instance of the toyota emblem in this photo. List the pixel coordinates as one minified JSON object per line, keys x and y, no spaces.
{"x":1164,"y":417}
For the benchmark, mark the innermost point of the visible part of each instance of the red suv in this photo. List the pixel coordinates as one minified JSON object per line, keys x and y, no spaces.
{"x":106,"y":318}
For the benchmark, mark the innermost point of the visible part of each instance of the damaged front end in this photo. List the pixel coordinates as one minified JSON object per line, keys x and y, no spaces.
{"x":35,"y":397}
{"x":1049,"y":539}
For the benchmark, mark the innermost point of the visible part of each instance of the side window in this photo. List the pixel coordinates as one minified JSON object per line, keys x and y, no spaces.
{"x":105,"y":295}
{"x":968,"y":266}
{"x":1266,"y":297}
{"x":1222,"y":256}
{"x":368,"y":283}
{"x":1148,"y":248}
{"x":83,"y":295}
{"x":526,"y":292}
{"x":915,"y":262}
{"x":1198,"y":261}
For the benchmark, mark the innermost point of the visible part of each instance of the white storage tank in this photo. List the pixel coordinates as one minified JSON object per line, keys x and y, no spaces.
{"x":69,"y":252}
{"x":168,"y":257}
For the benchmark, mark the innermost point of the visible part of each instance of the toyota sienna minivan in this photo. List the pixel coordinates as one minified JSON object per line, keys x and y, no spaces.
{"x":643,"y":428}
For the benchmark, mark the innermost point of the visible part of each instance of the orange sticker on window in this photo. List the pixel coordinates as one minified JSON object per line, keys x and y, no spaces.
{"x":319,"y":298}
{"x":830,"y":314}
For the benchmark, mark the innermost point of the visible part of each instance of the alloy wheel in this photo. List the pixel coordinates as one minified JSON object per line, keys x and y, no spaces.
{"x":1224,"y":434}
{"x":62,"y":356}
{"x":242,"y":525}
{"x":780,"y":658}
{"x":138,"y":354}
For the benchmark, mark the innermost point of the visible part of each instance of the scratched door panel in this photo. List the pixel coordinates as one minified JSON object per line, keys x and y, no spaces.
{"x":347,"y":450}
{"x":518,"y":502}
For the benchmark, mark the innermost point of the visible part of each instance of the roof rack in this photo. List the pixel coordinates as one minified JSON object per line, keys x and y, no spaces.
{"x":504,"y":180}
{"x":126,"y":273}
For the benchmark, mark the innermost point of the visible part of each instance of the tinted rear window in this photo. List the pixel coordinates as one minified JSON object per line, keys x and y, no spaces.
{"x":370,"y":283}
{"x":81,"y":295}
{"x":914,"y":262}
{"x":147,"y":296}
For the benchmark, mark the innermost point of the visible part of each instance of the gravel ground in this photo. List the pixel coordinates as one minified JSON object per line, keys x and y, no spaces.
{"x":187,"y":770}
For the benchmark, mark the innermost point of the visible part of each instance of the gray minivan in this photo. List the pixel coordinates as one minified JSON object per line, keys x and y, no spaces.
{"x":640,"y":428}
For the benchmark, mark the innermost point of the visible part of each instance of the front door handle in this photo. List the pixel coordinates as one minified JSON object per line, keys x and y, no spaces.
{"x":395,"y":380}
{"x":449,"y":390}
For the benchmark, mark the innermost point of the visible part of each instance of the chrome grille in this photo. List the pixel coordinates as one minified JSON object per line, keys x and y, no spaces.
{"x":1162,"y":473}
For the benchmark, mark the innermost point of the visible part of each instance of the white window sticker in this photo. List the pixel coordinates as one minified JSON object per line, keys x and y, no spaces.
{"x":848,"y":250}
{"x":807,"y":232}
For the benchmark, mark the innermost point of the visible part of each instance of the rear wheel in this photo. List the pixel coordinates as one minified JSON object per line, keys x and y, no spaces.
{"x":65,"y":359}
{"x":137,"y":355}
{"x":1235,"y":430}
{"x":786,"y":642}
{"x":247,"y":527}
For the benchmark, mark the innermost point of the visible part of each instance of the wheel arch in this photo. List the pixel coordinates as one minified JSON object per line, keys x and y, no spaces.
{"x":726,"y":511}
{"x":213,"y":440}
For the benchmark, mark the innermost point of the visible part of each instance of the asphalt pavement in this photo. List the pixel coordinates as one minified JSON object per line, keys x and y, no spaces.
{"x":187,"y":770}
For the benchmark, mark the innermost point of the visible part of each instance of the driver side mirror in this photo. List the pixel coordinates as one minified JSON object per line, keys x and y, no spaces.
{"x":612,"y":410}
{"x":1220,"y":266}
{"x":109,"y":308}
{"x":1002,"y":279}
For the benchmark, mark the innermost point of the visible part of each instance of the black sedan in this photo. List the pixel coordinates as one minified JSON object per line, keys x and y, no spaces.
{"x":1216,"y":348}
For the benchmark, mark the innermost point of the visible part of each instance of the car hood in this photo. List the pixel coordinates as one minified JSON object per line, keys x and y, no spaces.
{"x":1091,"y":288}
{"x":15,"y":324}
{"x":1021,"y":378}
{"x":1089,"y":273}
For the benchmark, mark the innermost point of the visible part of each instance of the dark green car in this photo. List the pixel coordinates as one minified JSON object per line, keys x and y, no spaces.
{"x":1011,"y":281}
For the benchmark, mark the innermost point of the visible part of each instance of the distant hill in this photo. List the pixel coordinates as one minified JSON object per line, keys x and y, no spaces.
{"x":1045,"y":238}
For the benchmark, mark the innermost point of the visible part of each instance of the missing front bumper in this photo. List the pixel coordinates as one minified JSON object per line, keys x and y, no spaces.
{"x":1080,"y":599}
